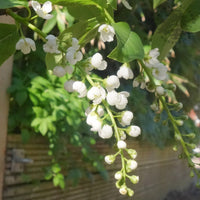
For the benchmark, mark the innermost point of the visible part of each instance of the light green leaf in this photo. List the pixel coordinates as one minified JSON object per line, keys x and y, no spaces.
{"x":113,"y":3}
{"x":53,"y":60}
{"x":129,"y":46}
{"x":167,"y":34}
{"x":8,"y":39}
{"x":49,"y":24}
{"x":56,"y":168}
{"x":191,"y":19}
{"x":156,"y":3}
{"x":12,"y":3}
{"x":43,"y":127}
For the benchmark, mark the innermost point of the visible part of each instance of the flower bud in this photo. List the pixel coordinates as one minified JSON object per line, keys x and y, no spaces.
{"x":134,"y":131}
{"x":121,"y":144}
{"x":109,"y":159}
{"x":122,"y":135}
{"x":179,"y":122}
{"x":160,"y":90}
{"x":132,"y":153}
{"x":134,"y":179}
{"x":130,"y":192}
{"x":123,"y":190}
{"x":131,"y":165}
{"x":118,"y":175}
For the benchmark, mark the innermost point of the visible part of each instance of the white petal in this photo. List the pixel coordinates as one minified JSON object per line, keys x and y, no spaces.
{"x":47,"y":7}
{"x":36,"y":6}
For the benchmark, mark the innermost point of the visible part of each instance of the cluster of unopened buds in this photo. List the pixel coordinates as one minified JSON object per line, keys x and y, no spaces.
{"x":106,"y":114}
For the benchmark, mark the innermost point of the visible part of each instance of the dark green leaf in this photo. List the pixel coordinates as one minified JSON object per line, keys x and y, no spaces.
{"x":129,"y":46}
{"x":21,"y":97}
{"x":12,"y":3}
{"x":191,"y":19}
{"x":8,"y":39}
{"x":156,"y":3}
{"x":53,"y":60}
{"x":113,"y":3}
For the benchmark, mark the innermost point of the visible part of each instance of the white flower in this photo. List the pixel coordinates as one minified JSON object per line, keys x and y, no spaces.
{"x":132,"y":164}
{"x":80,"y":87}
{"x":112,"y":97}
{"x":96,"y":94}
{"x":112,"y":82}
{"x":122,"y":100}
{"x":126,"y":118}
{"x":75,"y":43}
{"x":125,"y":72}
{"x":121,"y":144}
{"x":117,"y":99}
{"x":26,"y":45}
{"x":107,"y":33}
{"x":109,"y":159}
{"x":134,"y":131}
{"x":69,"y":69}
{"x":51,"y":45}
{"x":59,"y":71}
{"x":106,"y":132}
{"x":73,"y":56}
{"x":97,"y":62}
{"x":44,"y":10}
{"x":160,"y":72}
{"x":94,"y":121}
{"x":136,"y":83}
{"x":123,"y":191}
{"x":100,"y":111}
{"x":68,"y":85}
{"x":153,"y":61}
{"x":118,"y":175}
{"x":160,"y":90}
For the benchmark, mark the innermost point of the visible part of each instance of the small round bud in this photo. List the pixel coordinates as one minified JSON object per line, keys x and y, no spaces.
{"x":132,"y":153}
{"x":123,"y":190}
{"x":121,"y":144}
{"x":160,"y":90}
{"x":109,"y":159}
{"x":179,"y":122}
{"x":134,"y":131}
{"x":134,"y":179}
{"x":130,"y":192}
{"x":118,"y":175}
{"x":131,"y":165}
{"x":122,"y":135}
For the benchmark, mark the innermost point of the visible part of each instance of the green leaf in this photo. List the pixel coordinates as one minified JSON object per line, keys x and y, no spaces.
{"x":81,"y":9}
{"x":156,"y":3}
{"x":12,"y":3}
{"x":53,"y":60}
{"x":49,"y":24}
{"x":43,"y":127}
{"x":59,"y":180}
{"x":113,"y":3}
{"x":167,"y":34}
{"x":129,"y":46}
{"x":191,"y":19}
{"x":56,"y":168}
{"x":21,"y":97}
{"x":8,"y":39}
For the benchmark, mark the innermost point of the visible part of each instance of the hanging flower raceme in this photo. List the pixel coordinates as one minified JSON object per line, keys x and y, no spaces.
{"x":42,"y":11}
{"x":25,"y":45}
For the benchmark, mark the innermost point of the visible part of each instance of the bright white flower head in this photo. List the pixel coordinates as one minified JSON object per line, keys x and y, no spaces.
{"x":94,"y":121}
{"x":44,"y":10}
{"x":118,"y":175}
{"x":127,"y":116}
{"x":80,"y":87}
{"x":125,"y":72}
{"x":59,"y":71}
{"x":73,"y":56}
{"x":153,"y":61}
{"x":132,"y":164}
{"x":123,"y":191}
{"x":134,"y":131}
{"x":112,"y":82}
{"x":106,"y":132}
{"x":26,"y":45}
{"x":117,"y":99}
{"x":160,"y":72}
{"x":160,"y":90}
{"x":107,"y":33}
{"x":68,"y":85}
{"x":97,"y":62}
{"x":109,"y":159}
{"x":51,"y":45}
{"x":121,"y":144}
{"x":96,"y":94}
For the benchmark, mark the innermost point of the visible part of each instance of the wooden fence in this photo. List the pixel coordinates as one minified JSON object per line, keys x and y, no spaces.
{"x":160,"y":172}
